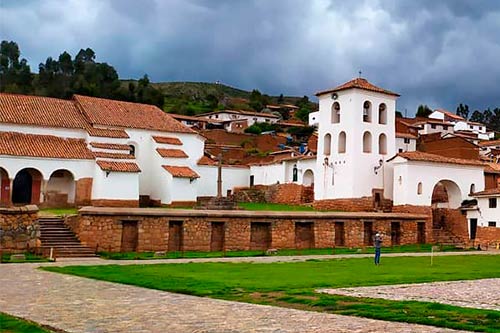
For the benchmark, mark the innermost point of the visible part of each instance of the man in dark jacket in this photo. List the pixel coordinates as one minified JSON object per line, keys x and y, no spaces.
{"x":377,"y":242}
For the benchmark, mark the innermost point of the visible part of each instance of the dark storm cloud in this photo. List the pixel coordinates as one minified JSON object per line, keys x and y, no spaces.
{"x":435,"y":52}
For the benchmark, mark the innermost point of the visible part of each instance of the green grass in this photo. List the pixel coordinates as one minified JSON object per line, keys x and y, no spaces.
{"x":5,"y":258}
{"x":292,"y":284}
{"x":59,"y":211}
{"x":281,"y":252}
{"x":273,"y":207}
{"x":10,"y":324}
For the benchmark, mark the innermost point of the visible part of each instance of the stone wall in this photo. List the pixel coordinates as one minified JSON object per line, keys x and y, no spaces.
{"x":19,"y":229}
{"x":83,"y":192}
{"x":364,"y":204}
{"x":292,"y":194}
{"x":115,"y":203}
{"x":453,"y":221}
{"x":101,"y":228}
{"x":487,"y":237}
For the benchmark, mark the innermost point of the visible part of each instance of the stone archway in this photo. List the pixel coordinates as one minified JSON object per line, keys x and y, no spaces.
{"x":4,"y":187}
{"x":308,"y":178}
{"x":60,"y":190}
{"x":446,"y":194}
{"x":26,"y":187}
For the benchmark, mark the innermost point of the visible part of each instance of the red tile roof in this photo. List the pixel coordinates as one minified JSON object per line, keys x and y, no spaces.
{"x":173,"y":153}
{"x":205,"y":160}
{"x":181,"y":171}
{"x":128,"y":115}
{"x":118,"y":166}
{"x":489,"y":143}
{"x":358,"y":83}
{"x":48,"y":146}
{"x":39,"y":111}
{"x":107,"y":133}
{"x":450,"y":114}
{"x":111,"y":146}
{"x":241,"y":112}
{"x":117,"y":156}
{"x":167,"y":140}
{"x":486,"y":193}
{"x":426,"y":157}
{"x":406,"y":136}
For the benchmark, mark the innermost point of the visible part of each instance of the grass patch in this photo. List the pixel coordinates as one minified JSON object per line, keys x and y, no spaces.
{"x":59,"y":211}
{"x":10,"y":324}
{"x":292,"y":284}
{"x":30,"y":257}
{"x":282,"y":252}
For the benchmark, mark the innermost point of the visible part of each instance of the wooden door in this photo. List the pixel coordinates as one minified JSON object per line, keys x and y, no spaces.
{"x":339,"y":234}
{"x":395,"y":233}
{"x":473,"y":228}
{"x":368,"y":233}
{"x":175,"y":233}
{"x":260,"y":236}
{"x":130,"y":236}
{"x":421,"y":232}
{"x":304,"y":235}
{"x":217,"y":237}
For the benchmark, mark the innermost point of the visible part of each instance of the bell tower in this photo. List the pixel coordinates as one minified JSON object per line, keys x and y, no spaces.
{"x":356,"y":135}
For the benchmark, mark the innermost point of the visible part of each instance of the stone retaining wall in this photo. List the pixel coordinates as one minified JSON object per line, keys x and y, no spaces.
{"x":19,"y":229}
{"x":487,"y":237}
{"x":102,"y":228}
{"x":292,"y":194}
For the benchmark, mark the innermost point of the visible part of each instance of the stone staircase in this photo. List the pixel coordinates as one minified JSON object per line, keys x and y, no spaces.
{"x":54,"y":233}
{"x":445,"y":237}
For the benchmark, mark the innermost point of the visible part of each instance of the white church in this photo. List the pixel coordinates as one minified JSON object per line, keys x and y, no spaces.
{"x":103,"y":152}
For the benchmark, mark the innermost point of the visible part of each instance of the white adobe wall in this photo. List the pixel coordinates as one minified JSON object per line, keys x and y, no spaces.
{"x":268,"y":174}
{"x":115,"y":185}
{"x":314,"y":118}
{"x":40,"y":130}
{"x":407,"y":175}
{"x":183,"y":189}
{"x":484,"y":214}
{"x":437,"y":115}
{"x":231,"y":177}
{"x":351,"y":174}
{"x":401,"y":146}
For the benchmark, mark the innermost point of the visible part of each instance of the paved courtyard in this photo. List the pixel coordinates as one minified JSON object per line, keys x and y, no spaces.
{"x":479,"y":294}
{"x":76,"y":304}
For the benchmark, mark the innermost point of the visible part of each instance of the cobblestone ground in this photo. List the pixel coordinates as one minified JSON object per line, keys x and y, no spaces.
{"x":76,"y":304}
{"x":480,"y":294}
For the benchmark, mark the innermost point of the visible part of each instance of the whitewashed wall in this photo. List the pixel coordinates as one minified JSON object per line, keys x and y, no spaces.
{"x":401,"y":146}
{"x":231,"y":177}
{"x":484,"y":214}
{"x":115,"y":185}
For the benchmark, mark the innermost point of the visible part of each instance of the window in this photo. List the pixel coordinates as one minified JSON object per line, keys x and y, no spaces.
{"x":492,"y":224}
{"x":433,"y":126}
{"x":382,"y":144}
{"x":335,"y":113}
{"x":407,"y":141}
{"x":295,"y":173}
{"x":342,"y":142}
{"x":132,"y":150}
{"x":400,"y":150}
{"x":445,"y":127}
{"x":492,"y":202}
{"x":419,"y":188}
{"x":472,"y":188}
{"x":367,"y":142}
{"x":471,"y":127}
{"x":382,"y":114}
{"x":327,"y":144}
{"x":367,"y":112}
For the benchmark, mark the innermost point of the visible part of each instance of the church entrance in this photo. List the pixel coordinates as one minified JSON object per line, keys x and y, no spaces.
{"x":26,"y":187}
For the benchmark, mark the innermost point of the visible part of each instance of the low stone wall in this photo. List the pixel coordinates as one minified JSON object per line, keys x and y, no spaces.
{"x":19,"y":229}
{"x":115,"y":203}
{"x":364,"y":204}
{"x":292,"y":194}
{"x":107,"y":228}
{"x":487,"y":237}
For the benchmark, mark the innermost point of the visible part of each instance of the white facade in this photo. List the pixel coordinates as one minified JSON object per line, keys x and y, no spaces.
{"x":487,"y":212}
{"x":351,"y":150}
{"x":251,"y":117}
{"x":405,"y":144}
{"x":314,"y":118}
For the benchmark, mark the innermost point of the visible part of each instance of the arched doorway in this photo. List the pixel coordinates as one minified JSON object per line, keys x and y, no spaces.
{"x":308,"y":178}
{"x":446,"y":194}
{"x":4,"y":187}
{"x":26,"y":187}
{"x":60,"y":189}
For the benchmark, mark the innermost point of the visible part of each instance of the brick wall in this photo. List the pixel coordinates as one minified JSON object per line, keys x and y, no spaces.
{"x":83,"y":192}
{"x":487,"y":237}
{"x":19,"y":229}
{"x":424,"y":210}
{"x":364,"y":204}
{"x":453,"y":221}
{"x":293,"y":194}
{"x":104,"y":231}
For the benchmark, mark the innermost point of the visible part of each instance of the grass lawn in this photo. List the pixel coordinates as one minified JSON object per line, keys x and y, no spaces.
{"x":9,"y":324}
{"x":292,"y":284}
{"x":58,"y":211}
{"x":282,"y":252}
{"x":273,"y":207}
{"x":5,"y":258}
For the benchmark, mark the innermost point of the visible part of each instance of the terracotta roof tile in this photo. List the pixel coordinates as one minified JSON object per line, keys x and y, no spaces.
{"x":173,"y":153}
{"x":492,"y":168}
{"x":48,"y":146}
{"x":426,"y":157}
{"x":450,"y":114}
{"x":489,"y":143}
{"x":167,"y":140}
{"x":40,"y":111}
{"x":107,"y":133}
{"x":117,"y":156}
{"x":181,"y":171}
{"x":118,"y":166}
{"x":240,"y":112}
{"x":358,"y":83}
{"x":110,"y":146}
{"x":128,"y":115}
{"x":486,"y":193}
{"x":406,"y":136}
{"x":205,"y":160}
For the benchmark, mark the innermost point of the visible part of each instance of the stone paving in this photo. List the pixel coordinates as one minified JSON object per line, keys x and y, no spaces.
{"x":480,"y":294}
{"x":76,"y":304}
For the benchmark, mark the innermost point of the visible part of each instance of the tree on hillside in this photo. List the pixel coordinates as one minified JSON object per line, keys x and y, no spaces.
{"x":463,"y":111}
{"x":477,"y":116}
{"x":281,"y":99}
{"x":258,"y":101}
{"x":304,"y":109}
{"x":423,"y":111}
{"x":15,"y":74}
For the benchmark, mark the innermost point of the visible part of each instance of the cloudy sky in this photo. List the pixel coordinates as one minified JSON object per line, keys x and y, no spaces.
{"x":440,"y":53}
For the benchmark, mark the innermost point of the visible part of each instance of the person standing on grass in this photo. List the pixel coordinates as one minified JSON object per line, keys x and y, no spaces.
{"x":377,"y":242}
